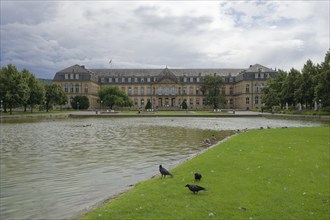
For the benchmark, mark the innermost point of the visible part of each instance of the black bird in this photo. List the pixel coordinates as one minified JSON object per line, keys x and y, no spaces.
{"x":198,"y":176}
{"x":164,"y":171}
{"x":195,"y":188}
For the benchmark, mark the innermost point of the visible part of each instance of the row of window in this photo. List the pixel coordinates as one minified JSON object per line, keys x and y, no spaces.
{"x":167,"y":102}
{"x":160,"y":91}
{"x":71,"y":76}
{"x":143,"y":80}
{"x":76,"y":88}
{"x":257,"y":87}
{"x":260,"y":75}
{"x":153,"y":79}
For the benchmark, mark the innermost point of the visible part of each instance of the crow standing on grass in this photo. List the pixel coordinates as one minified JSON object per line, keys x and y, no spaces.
{"x":195,"y":188}
{"x":164,"y":171}
{"x":198,"y":176}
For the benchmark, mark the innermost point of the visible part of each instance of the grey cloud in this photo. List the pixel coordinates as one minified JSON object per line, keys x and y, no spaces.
{"x":27,"y":12}
{"x":150,"y":18}
{"x":139,"y":35}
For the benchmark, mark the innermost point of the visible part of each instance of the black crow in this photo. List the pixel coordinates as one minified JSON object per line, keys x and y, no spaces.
{"x":198,"y":176}
{"x":164,"y":171}
{"x":195,"y":188}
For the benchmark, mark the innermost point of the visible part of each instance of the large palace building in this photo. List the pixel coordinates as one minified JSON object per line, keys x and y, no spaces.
{"x":167,"y":88}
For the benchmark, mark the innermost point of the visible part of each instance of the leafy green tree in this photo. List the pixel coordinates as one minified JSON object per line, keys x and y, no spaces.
{"x":184,"y":105}
{"x":290,"y":86}
{"x":148,"y":105}
{"x":14,"y":88}
{"x":54,"y":95}
{"x":80,"y":102}
{"x":273,"y":92}
{"x":113,"y":96}
{"x":37,"y":91}
{"x":212,"y":86}
{"x":307,"y":83}
{"x":322,"y":89}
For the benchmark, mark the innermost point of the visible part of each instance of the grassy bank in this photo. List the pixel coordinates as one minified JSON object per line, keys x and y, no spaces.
{"x":261,"y":174}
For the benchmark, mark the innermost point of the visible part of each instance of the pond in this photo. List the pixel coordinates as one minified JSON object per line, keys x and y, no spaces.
{"x":56,"y":169}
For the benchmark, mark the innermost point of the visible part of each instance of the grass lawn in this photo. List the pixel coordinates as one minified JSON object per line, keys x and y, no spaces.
{"x":260,"y":174}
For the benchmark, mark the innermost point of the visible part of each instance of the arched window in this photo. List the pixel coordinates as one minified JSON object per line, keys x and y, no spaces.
{"x":247,"y":88}
{"x":66,"y":88}
{"x":77,"y":88}
{"x":231,"y":90}
{"x":173,"y":90}
{"x":71,"y":87}
{"x":166,"y":90}
{"x":256,"y":100}
{"x":86,"y":88}
{"x":160,"y":90}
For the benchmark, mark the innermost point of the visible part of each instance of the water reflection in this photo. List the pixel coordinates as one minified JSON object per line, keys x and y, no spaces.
{"x":55,"y":169}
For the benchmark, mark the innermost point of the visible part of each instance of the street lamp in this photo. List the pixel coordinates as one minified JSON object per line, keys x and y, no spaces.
{"x":46,"y":106}
{"x":101,"y":106}
{"x":77,"y":105}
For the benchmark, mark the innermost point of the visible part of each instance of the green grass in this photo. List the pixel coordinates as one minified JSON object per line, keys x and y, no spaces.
{"x":260,"y":174}
{"x":36,"y":112}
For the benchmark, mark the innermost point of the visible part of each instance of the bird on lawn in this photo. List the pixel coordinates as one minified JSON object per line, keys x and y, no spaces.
{"x":164,"y":171}
{"x":198,"y":176}
{"x":195,"y":188}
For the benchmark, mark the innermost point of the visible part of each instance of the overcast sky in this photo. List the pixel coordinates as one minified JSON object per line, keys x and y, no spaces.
{"x":48,"y":36}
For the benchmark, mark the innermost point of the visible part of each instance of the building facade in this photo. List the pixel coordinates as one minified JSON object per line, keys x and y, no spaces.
{"x":167,"y":88}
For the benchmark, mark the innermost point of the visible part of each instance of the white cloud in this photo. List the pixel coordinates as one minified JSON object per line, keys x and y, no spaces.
{"x":144,"y":34}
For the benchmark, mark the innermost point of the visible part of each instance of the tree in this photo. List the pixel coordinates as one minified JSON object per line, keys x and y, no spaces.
{"x":80,"y":102}
{"x":273,"y":92}
{"x":322,"y":89}
{"x":113,"y":96}
{"x":148,"y":105}
{"x":184,"y":105}
{"x":37,"y":91}
{"x":290,"y":86}
{"x":14,"y":88}
{"x":307,"y":84}
{"x":54,"y":95}
{"x":212,"y":86}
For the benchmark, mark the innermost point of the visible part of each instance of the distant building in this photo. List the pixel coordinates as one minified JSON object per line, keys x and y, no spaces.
{"x":167,"y":88}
